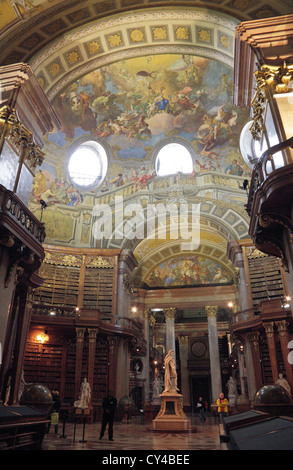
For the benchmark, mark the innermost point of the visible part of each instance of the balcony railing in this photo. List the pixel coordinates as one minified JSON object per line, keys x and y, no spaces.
{"x":15,"y":214}
{"x":88,"y":316}
{"x":267,"y":164}
{"x":270,"y":309}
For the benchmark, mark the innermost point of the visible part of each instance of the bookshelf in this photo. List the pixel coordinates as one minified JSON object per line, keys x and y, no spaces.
{"x":266,"y":279}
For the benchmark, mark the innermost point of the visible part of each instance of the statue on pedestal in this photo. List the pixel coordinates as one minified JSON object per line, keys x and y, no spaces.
{"x":171,"y":416}
{"x":170,"y":372}
{"x":84,"y":395}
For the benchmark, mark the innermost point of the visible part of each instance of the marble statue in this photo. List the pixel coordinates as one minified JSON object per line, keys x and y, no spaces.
{"x":283,"y":382}
{"x":170,"y":372}
{"x":84,"y":395}
{"x":232,"y":390}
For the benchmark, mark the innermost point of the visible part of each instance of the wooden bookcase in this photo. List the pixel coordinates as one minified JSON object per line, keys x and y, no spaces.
{"x":266,"y":279}
{"x":42,"y":364}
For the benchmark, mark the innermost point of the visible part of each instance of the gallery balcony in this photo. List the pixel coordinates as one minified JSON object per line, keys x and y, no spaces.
{"x":254,"y":319}
{"x":270,"y":200}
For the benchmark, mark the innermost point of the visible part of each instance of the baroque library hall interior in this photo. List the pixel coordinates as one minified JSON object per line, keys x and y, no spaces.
{"x":146,"y":227}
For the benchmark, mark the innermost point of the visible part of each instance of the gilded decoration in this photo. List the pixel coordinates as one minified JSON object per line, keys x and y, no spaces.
{"x":20,"y":138}
{"x":93,"y":47}
{"x":63,"y":260}
{"x":211,"y":311}
{"x":204,"y":35}
{"x":98,"y":262}
{"x":159,"y":33}
{"x":54,"y":68}
{"x":182,"y":32}
{"x":114,"y":40}
{"x":137,"y":35}
{"x":73,"y":57}
{"x":269,"y":80}
{"x":225,"y":41}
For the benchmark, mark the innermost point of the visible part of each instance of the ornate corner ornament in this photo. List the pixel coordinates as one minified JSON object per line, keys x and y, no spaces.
{"x":269,"y":80}
{"x":20,"y":138}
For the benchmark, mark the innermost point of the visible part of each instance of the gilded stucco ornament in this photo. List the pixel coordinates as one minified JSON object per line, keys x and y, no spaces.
{"x":270,"y":80}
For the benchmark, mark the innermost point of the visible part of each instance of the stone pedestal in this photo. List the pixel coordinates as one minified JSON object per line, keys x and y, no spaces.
{"x":171,"y":416}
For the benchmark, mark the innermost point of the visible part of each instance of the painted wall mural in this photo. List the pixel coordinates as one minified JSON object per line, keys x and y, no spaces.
{"x":132,"y":105}
{"x":188,"y":270}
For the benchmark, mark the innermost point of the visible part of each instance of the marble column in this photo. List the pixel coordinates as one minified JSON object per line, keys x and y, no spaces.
{"x":284,"y":341}
{"x":235,"y":255}
{"x":254,"y":344}
{"x":78,"y":359}
{"x":215,"y":365}
{"x":269,"y":329}
{"x":242,"y":369}
{"x":183,"y":352}
{"x":169,"y":314}
{"x":146,"y":359}
{"x":250,"y":368}
{"x":91,"y":359}
{"x":113,"y":358}
{"x":126,"y":264}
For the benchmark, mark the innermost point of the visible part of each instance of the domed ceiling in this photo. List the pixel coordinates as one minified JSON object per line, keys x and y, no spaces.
{"x":133,"y":82}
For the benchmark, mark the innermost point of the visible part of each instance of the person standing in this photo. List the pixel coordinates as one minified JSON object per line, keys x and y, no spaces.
{"x":201,"y":408}
{"x":222,"y":404}
{"x":109,"y":407}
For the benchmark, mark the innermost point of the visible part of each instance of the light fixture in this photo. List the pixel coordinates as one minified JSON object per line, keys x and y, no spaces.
{"x":134,"y":309}
{"x":286,"y":302}
{"x":42,"y":337}
{"x":52,"y":312}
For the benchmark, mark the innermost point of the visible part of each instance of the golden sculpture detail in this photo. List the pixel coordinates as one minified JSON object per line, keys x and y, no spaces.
{"x":269,"y":80}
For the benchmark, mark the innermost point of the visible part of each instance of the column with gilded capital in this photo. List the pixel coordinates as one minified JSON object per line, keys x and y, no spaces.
{"x":284,"y":341}
{"x":215,"y":365}
{"x":183,"y":352}
{"x":169,"y":314}
{"x":78,"y":359}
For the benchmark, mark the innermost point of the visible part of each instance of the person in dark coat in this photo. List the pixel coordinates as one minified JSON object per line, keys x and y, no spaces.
{"x":109,"y":407}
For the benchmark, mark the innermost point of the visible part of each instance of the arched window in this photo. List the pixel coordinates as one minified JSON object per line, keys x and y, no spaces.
{"x":87,"y":165}
{"x":173,"y":158}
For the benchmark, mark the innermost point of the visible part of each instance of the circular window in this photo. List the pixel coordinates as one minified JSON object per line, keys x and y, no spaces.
{"x":173,"y":158}
{"x":87,"y":165}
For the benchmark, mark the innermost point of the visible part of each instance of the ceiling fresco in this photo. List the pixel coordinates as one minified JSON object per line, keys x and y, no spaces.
{"x":188,"y":270}
{"x":132,"y":106}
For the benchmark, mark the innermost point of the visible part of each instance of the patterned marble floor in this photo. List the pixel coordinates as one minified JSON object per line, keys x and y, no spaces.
{"x":135,"y":436}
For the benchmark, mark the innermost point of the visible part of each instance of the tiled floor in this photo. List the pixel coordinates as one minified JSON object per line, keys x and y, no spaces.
{"x":136,"y":436}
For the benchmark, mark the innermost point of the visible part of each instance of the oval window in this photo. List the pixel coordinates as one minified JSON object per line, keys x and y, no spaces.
{"x":173,"y":158}
{"x":87,"y":165}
